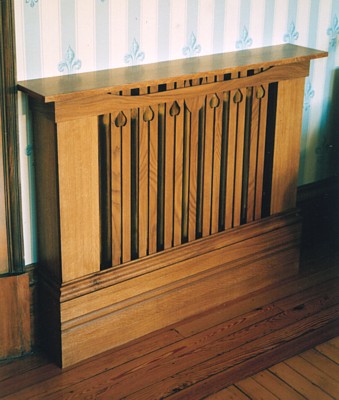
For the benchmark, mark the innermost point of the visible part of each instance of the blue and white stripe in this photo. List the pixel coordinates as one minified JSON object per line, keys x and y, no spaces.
{"x":69,"y":36}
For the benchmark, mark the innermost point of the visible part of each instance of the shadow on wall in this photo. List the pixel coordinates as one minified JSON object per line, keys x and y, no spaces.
{"x":334,"y":124}
{"x":334,"y":140}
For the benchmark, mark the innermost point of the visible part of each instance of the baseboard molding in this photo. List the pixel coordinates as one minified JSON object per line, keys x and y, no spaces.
{"x":104,"y":310}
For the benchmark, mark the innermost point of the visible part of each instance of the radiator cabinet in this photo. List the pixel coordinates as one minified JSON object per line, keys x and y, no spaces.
{"x":163,"y":190}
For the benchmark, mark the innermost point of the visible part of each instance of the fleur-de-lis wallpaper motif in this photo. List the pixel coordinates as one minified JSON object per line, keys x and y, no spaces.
{"x":32,"y":3}
{"x":192,"y":48}
{"x":333,"y":32}
{"x":309,"y":94}
{"x":245,"y":41}
{"x":135,"y":55}
{"x":70,"y":64}
{"x":292,"y":35}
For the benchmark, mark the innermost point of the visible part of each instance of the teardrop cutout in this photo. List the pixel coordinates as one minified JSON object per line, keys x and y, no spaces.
{"x":148,"y":114}
{"x":120,"y":120}
{"x":214,"y":102}
{"x":175,"y":109}
{"x":260,"y":92}
{"x":238,"y":96}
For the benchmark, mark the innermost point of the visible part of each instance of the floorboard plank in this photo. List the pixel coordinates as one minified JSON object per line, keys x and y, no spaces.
{"x":322,"y":362}
{"x":330,"y":349}
{"x":258,"y":299}
{"x":231,"y":355}
{"x":277,"y":386}
{"x":315,"y":375}
{"x":299,"y":382}
{"x":207,"y":355}
{"x":230,"y":393}
{"x":33,"y":385}
{"x":254,"y":390}
{"x":15,"y":367}
{"x":135,"y":375}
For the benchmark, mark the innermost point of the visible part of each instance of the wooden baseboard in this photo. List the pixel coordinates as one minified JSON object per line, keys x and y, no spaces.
{"x":15,"y":328}
{"x":104,"y":310}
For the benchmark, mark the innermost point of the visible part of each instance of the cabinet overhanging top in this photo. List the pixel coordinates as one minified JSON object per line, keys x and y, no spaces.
{"x":67,"y":87}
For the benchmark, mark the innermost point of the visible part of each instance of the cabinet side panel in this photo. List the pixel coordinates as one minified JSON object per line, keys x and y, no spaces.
{"x":287,"y":145}
{"x":45,"y":156}
{"x":79,"y":197}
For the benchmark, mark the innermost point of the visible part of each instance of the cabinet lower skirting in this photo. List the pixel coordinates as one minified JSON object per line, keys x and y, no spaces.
{"x":105,"y":310}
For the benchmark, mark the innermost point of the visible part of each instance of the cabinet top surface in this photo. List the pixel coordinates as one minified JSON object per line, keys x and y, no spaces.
{"x":68,"y":87}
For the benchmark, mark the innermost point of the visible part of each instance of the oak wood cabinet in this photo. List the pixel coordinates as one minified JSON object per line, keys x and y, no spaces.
{"x":164,"y":190}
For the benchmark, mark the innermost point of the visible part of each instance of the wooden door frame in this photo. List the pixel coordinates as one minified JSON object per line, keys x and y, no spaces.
{"x":11,"y":226}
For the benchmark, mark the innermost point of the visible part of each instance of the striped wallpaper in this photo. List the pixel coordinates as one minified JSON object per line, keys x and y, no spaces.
{"x":70,"y":36}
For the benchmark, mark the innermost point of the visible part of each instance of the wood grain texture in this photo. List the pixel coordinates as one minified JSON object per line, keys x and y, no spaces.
{"x":117,"y":314}
{"x":96,"y":104}
{"x":47,"y":196}
{"x":298,"y":381}
{"x":132,"y":359}
{"x":240,"y":101}
{"x":261,"y":152}
{"x":330,"y":349}
{"x":296,"y":314}
{"x":170,"y":157}
{"x":12,"y":246}
{"x":126,"y":188}
{"x":116,"y":131}
{"x":153,"y":183}
{"x":275,"y":385}
{"x":180,"y":187}
{"x":78,"y":86}
{"x":4,"y":265}
{"x":143,"y":183}
{"x":15,"y":329}
{"x":287,"y":145}
{"x":79,"y":197}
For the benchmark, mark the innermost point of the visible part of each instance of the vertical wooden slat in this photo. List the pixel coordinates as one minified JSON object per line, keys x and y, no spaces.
{"x":153,"y":182}
{"x":287,"y":144}
{"x":186,"y":167}
{"x":161,"y":127}
{"x":105,"y":190}
{"x":238,"y":177}
{"x":134,"y":180}
{"x":261,"y":151}
{"x":178,"y":113}
{"x":169,"y":174}
{"x":211,"y":103}
{"x":252,"y":164}
{"x":126,"y":187}
{"x":117,"y":121}
{"x":230,"y":164}
{"x":79,"y":197}
{"x":193,"y":106}
{"x":143,"y":181}
{"x":217,"y":165}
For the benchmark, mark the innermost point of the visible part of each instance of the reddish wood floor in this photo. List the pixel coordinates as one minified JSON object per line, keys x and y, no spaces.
{"x":204,"y":355}
{"x":313,"y":374}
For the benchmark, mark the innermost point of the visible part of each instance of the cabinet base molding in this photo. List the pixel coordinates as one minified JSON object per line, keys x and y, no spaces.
{"x":99,"y":312}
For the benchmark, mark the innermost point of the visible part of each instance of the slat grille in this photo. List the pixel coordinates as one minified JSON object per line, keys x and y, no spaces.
{"x":183,"y":169}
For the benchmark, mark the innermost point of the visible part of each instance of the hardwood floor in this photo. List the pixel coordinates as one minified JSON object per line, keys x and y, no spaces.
{"x":313,"y":374}
{"x":281,"y":342}
{"x":202,"y":356}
